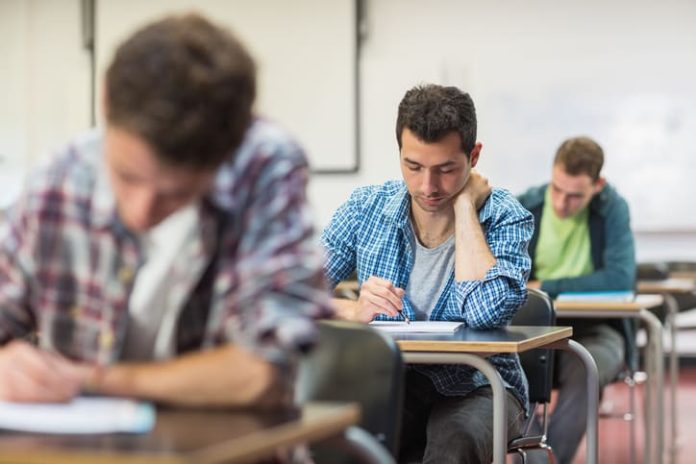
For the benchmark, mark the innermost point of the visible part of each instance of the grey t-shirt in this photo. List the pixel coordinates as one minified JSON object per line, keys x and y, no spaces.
{"x":431,"y":269}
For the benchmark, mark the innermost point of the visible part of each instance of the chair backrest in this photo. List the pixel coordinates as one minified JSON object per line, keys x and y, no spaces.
{"x":652,"y":271}
{"x":354,"y":362}
{"x":537,"y":364}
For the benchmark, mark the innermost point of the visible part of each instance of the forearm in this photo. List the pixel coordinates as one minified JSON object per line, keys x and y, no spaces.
{"x":603,"y":280}
{"x":473,"y":257}
{"x":226,"y":376}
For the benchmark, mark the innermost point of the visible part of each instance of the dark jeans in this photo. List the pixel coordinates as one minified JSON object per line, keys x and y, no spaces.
{"x":451,"y":429}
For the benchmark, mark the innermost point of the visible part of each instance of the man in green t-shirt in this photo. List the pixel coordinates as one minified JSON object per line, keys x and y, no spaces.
{"x":582,"y":242}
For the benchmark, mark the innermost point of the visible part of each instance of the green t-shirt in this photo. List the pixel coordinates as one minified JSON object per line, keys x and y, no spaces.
{"x":564,"y":248}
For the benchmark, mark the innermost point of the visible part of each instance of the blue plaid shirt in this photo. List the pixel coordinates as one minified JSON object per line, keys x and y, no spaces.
{"x":371,"y":234}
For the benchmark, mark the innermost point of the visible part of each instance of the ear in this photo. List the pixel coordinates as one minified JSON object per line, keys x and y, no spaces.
{"x":475,"y":153}
{"x":599,"y":184}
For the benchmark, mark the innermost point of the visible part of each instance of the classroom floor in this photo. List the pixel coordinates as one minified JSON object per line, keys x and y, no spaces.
{"x":614,"y":433}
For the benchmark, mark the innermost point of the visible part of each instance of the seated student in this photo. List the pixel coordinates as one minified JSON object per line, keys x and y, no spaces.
{"x":168,"y":256}
{"x":439,"y":245}
{"x":582,"y":242}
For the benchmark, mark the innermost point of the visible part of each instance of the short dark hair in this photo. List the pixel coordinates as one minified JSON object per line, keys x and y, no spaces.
{"x":186,"y":86}
{"x":580,"y":155}
{"x":432,"y":111}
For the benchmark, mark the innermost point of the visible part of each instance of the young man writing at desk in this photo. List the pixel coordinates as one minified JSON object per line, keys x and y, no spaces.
{"x":439,"y":245}
{"x":169,"y":256}
{"x":582,"y":242}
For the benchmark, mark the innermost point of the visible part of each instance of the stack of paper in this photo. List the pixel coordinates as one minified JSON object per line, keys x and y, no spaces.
{"x":618,"y":296}
{"x":81,"y":415}
{"x":416,"y":326}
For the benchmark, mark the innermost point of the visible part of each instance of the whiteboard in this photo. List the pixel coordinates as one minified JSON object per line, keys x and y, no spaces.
{"x":44,"y":86}
{"x":621,"y":72}
{"x":305,"y":51}
{"x":648,"y":139}
{"x":13,"y":79}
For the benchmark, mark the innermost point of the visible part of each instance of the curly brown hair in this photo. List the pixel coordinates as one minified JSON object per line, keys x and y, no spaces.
{"x":432,"y":111}
{"x":186,"y":86}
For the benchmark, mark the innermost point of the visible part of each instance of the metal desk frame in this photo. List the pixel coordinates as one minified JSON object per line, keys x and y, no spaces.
{"x":654,"y":407}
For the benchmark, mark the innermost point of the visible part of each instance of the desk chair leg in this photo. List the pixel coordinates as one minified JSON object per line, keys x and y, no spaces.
{"x":653,"y":388}
{"x":592,"y":434}
{"x":648,"y":405}
{"x":363,"y":446}
{"x":631,"y":382}
{"x":550,"y":457}
{"x":629,"y":415}
{"x":672,"y":311}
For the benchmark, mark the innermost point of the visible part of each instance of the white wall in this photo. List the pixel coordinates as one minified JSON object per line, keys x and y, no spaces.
{"x":13,"y":124}
{"x":665,"y":246}
{"x":539,"y":71}
{"x":44,"y":83}
{"x":304,"y":50}
{"x":523,"y":62}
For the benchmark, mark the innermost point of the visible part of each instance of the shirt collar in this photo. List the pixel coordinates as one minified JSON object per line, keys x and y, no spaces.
{"x":486,"y":211}
{"x":397,"y":208}
{"x":103,"y":202}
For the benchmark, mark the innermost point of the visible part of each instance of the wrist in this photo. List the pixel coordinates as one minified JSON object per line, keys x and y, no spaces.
{"x":94,"y":379}
{"x":346,"y":310}
{"x":464,"y":205}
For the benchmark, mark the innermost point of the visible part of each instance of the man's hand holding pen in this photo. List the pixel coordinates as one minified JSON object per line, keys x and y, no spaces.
{"x":32,"y":374}
{"x":379,"y":296}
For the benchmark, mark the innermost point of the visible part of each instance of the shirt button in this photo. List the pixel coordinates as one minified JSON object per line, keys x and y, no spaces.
{"x":106,"y":339}
{"x":125,"y":274}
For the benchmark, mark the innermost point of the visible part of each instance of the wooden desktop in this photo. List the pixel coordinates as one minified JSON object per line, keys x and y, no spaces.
{"x":188,"y":436}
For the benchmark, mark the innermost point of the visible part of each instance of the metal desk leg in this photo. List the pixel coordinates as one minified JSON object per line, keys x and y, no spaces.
{"x":656,"y":373}
{"x":499,"y":397}
{"x":591,"y":430}
{"x":672,"y":311}
{"x":360,"y":444}
{"x":649,"y":401}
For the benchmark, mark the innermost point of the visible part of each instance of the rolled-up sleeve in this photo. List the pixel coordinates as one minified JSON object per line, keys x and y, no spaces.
{"x":493,"y":301}
{"x":278,"y":286}
{"x":338,"y":239}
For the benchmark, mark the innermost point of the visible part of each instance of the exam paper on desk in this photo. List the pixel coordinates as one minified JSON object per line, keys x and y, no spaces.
{"x":416,"y":326}
{"x":83,"y":415}
{"x":614,"y":296}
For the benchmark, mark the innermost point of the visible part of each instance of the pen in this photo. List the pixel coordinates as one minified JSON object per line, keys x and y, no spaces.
{"x":408,"y":321}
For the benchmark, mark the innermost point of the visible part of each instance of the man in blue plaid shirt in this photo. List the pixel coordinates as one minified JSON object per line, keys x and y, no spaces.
{"x":439,"y":245}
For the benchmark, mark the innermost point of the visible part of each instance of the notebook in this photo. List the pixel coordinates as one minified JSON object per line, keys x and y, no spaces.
{"x":416,"y":326}
{"x":83,"y":415}
{"x":618,"y":296}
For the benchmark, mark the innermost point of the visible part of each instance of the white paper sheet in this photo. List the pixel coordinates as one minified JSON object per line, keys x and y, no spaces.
{"x":416,"y":326}
{"x":82,"y":415}
{"x":618,"y":296}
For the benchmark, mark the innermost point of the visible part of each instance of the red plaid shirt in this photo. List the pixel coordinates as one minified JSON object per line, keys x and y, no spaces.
{"x":67,"y":265}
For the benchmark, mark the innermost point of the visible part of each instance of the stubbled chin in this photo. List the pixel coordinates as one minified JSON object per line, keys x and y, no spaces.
{"x":441,"y":205}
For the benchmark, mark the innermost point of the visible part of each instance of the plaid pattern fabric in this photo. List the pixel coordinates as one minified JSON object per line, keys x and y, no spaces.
{"x":370,"y":234}
{"x":67,"y":265}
